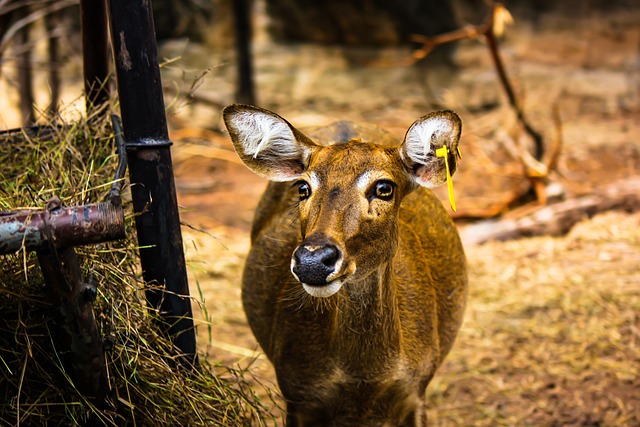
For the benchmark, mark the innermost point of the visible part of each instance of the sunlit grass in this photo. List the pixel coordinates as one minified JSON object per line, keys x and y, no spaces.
{"x":77,"y":163}
{"x":552,"y":332}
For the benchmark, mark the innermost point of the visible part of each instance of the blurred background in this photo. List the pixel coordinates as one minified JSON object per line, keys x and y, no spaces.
{"x":547,"y":190}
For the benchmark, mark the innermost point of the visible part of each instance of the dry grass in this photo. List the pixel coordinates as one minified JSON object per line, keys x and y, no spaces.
{"x":552,"y":332}
{"x":77,"y":165}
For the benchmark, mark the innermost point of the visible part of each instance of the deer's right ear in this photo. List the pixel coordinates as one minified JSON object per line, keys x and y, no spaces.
{"x":269,"y":145}
{"x":419,"y":149}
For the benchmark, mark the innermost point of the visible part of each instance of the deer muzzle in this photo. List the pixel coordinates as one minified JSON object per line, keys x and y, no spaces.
{"x":316,"y":265}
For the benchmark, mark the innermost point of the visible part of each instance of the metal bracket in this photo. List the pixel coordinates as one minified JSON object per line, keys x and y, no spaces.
{"x":148,"y":143}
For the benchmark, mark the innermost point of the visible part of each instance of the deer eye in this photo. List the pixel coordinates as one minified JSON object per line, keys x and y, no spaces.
{"x":304,"y":190}
{"x":383,"y":190}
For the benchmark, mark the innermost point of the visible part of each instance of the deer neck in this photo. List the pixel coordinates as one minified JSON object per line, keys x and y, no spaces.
{"x":366,"y":321}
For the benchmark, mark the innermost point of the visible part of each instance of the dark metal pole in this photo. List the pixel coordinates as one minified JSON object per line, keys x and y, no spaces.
{"x":245,"y":93}
{"x":150,"y":170}
{"x":24,"y":70}
{"x":95,"y":52}
{"x":51,"y":22}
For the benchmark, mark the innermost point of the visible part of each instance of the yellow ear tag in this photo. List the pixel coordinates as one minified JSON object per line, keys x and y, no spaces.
{"x":444,"y":152}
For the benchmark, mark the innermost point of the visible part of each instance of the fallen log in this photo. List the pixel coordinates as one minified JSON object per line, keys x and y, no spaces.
{"x":557,"y":219}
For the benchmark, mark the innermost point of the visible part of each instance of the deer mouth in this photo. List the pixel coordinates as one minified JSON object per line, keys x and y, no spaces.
{"x":325,"y":291}
{"x":329,"y":287}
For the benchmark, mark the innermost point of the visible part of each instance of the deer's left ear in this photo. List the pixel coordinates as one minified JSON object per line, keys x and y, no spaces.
{"x":268,"y":144}
{"x":424,"y":137}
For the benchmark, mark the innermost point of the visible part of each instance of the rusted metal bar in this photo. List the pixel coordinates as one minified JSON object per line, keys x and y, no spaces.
{"x":95,"y":52}
{"x":69,"y":226}
{"x":151,"y":171}
{"x":65,"y":227}
{"x":53,"y":232}
{"x":74,"y":332}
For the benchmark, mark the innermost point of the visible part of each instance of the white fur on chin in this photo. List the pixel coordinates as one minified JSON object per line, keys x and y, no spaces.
{"x":323,"y":291}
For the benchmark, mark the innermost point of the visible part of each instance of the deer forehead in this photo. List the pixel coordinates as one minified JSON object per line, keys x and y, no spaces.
{"x":361,"y":181}
{"x":355,"y":165}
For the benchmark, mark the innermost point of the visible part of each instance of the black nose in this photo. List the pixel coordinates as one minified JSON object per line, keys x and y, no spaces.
{"x":312,"y":264}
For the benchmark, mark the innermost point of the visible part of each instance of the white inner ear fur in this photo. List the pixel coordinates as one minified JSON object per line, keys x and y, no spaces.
{"x":425,"y":136}
{"x":266,"y":135}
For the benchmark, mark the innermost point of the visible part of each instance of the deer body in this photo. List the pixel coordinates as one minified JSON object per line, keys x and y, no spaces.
{"x":355,"y":284}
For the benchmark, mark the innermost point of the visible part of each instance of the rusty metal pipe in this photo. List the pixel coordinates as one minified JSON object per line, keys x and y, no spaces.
{"x":68,"y":226}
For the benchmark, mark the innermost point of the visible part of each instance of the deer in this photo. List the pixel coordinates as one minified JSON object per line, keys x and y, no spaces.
{"x":355,"y":284}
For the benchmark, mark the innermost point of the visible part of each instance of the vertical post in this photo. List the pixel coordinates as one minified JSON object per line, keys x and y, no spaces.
{"x":245,"y":93}
{"x":74,"y":330}
{"x":151,"y":171}
{"x":24,"y":67}
{"x":95,"y":52}
{"x":51,"y":22}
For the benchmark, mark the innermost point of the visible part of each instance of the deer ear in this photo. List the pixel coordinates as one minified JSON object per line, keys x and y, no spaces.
{"x":424,"y":137}
{"x":269,"y":145}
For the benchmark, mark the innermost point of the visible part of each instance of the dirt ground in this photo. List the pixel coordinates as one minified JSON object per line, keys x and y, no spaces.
{"x":552,"y":330}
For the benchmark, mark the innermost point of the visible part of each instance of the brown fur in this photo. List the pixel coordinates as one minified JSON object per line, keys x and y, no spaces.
{"x":364,"y":356}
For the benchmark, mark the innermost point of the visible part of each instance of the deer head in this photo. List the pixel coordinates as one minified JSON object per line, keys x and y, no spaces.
{"x":349,"y":193}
